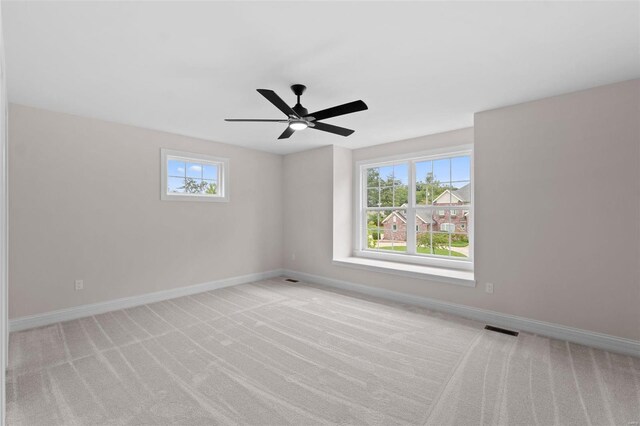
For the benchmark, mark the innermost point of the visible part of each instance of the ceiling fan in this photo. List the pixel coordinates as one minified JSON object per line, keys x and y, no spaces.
{"x":298,"y":118}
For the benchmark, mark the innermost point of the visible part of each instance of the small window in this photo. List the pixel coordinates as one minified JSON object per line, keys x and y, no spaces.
{"x":447,"y":227}
{"x":453,"y":213}
{"x":463,"y":226}
{"x":417,"y":228}
{"x":441,"y":213}
{"x":394,"y":227}
{"x":193,"y":177}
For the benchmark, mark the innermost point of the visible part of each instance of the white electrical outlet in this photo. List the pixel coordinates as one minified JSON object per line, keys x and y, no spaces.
{"x":489,"y":288}
{"x":79,"y":285}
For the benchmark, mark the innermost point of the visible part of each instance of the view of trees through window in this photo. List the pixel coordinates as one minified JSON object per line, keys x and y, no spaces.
{"x":437,"y":217}
{"x":185,"y":177}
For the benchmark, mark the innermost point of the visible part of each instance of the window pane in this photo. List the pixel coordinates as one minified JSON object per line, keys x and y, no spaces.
{"x":373,"y":177}
{"x":209,"y":172}
{"x":195,"y":186}
{"x":386,"y":196}
{"x":463,"y":221}
{"x":461,"y":168}
{"x":175,"y":185}
{"x":424,"y":178}
{"x":374,"y":218}
{"x":440,"y":243}
{"x":176,"y":168}
{"x":461,"y":192}
{"x":401,"y":174}
{"x":386,"y":175}
{"x":424,"y":171}
{"x":400,"y":195}
{"x":424,"y":221}
{"x":374,"y":230}
{"x":432,"y":182}
{"x":373,"y":237}
{"x":423,"y":243}
{"x":460,"y":245}
{"x":442,"y":171}
{"x":394,"y":231}
{"x":442,"y":196}
{"x":194,"y":170}
{"x":373,"y":197}
{"x":210,"y":187}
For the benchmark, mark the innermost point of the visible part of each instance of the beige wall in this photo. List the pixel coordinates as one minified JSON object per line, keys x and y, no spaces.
{"x":557,"y":212}
{"x":541,"y":168}
{"x":561,"y":176}
{"x":85,"y":204}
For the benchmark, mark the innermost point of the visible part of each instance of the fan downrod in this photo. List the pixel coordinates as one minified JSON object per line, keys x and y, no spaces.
{"x":298,"y":90}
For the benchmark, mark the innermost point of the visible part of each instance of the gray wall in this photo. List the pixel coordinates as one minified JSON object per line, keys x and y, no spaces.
{"x":557,"y":211}
{"x":85,"y":204}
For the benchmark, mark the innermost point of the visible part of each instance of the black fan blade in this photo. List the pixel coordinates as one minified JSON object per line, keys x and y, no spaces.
{"x":277,"y":101}
{"x":258,"y":120}
{"x":343,"y":109}
{"x":288,"y":132}
{"x":332,"y":129}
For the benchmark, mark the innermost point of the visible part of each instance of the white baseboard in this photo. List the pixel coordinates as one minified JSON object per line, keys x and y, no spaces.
{"x":38,"y":320}
{"x":556,"y":331}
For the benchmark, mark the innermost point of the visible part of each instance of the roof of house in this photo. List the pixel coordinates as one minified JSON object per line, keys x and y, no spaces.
{"x":462,"y":194}
{"x":404,"y":218}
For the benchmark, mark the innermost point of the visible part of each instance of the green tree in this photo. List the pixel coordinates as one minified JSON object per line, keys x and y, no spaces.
{"x":385,"y":191}
{"x":212,"y":189}
{"x":434,"y":242}
{"x":429,"y":189}
{"x":193,"y":187}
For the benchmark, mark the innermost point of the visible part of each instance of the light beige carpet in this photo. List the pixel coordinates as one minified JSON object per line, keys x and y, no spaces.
{"x":275,"y":353}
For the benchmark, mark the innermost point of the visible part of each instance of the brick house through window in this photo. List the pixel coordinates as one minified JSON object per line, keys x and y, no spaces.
{"x":455,"y":213}
{"x":450,"y":214}
{"x":395,"y":226}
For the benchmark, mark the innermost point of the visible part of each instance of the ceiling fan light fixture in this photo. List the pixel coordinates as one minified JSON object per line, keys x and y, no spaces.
{"x":298,"y":125}
{"x":298,"y":117}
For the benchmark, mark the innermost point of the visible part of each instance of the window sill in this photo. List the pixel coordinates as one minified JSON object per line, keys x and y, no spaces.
{"x":451,"y":276}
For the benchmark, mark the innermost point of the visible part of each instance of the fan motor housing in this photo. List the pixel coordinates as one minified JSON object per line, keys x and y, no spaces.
{"x":300,"y":110}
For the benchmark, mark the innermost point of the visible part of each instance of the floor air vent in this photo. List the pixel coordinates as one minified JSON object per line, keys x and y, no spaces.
{"x":501,"y":330}
{"x":291,"y":280}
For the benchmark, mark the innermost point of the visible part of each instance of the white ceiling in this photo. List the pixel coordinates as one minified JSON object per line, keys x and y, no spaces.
{"x":421,"y":67}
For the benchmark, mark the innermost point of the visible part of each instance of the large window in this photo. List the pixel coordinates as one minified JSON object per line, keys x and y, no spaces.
{"x":193,"y":177}
{"x":417,"y":209}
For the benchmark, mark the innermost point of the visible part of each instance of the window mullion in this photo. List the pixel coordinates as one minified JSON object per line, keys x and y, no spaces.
{"x":411,"y":211}
{"x":364,"y":230}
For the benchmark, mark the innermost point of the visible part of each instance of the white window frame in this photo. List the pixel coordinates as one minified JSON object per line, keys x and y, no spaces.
{"x":223,"y":175}
{"x":360,"y":238}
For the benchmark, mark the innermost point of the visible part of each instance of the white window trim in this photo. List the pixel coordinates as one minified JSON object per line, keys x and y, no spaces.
{"x":223,"y":176}
{"x":361,"y":249}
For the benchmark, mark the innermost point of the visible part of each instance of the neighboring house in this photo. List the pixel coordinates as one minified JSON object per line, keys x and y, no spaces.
{"x":448,"y":216}
{"x":395,"y":226}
